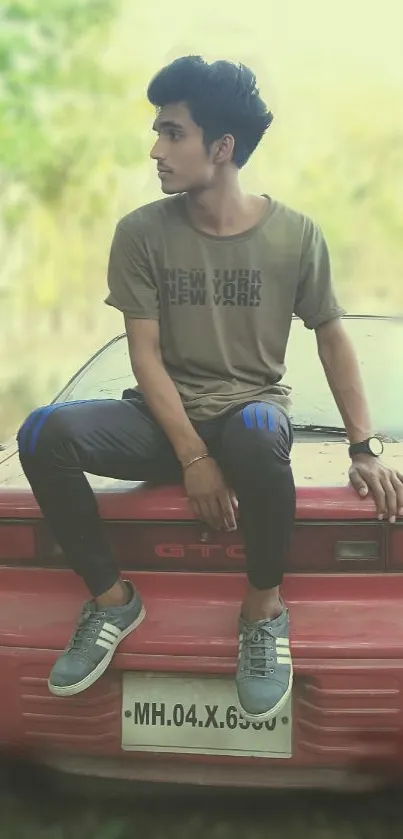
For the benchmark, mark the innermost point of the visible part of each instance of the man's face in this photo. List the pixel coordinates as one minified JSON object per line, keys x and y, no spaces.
{"x":182,"y":160}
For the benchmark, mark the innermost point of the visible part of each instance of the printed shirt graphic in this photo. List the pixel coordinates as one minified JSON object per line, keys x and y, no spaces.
{"x":224,"y":303}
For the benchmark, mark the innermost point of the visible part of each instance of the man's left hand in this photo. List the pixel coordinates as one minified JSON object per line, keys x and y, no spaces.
{"x":368,"y":474}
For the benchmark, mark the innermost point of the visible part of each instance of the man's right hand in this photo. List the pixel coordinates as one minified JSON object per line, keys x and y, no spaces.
{"x":211,"y":499}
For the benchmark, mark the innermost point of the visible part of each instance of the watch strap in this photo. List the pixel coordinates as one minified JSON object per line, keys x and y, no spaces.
{"x":364,"y":447}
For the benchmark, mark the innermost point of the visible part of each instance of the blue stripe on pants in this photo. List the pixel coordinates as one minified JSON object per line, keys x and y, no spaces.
{"x":261,"y":415}
{"x":36,"y":421}
{"x":45,"y":413}
{"x":25,"y":428}
{"x":247,"y":415}
{"x":50,"y":409}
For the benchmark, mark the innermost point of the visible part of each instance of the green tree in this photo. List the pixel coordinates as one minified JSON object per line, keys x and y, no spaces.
{"x":50,"y":70}
{"x":60,"y":152}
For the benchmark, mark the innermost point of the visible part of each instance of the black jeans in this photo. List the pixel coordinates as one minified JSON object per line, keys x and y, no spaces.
{"x":120,"y":439}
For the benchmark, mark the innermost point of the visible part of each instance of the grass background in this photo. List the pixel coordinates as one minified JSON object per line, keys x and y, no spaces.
{"x":38,"y":804}
{"x":75,"y":136}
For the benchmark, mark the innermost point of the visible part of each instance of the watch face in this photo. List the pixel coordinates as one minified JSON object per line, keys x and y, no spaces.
{"x":376,"y":446}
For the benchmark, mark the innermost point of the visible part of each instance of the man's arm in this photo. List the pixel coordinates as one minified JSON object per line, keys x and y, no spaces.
{"x":211,"y":499}
{"x":341,"y":367}
{"x":133,"y":291}
{"x":317,"y":305}
{"x":159,"y":390}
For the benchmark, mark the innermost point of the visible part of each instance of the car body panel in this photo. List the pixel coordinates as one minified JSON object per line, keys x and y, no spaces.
{"x":347,"y":708}
{"x":320,"y":473}
{"x":345,"y":608}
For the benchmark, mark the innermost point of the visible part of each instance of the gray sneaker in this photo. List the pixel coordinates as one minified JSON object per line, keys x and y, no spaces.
{"x":264,"y":673}
{"x":92,"y":645}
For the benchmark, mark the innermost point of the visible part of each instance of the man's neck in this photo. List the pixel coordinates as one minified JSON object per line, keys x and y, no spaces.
{"x":224,"y":210}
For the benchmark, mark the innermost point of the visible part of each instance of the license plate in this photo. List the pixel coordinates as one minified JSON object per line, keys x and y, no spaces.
{"x":184,"y":714}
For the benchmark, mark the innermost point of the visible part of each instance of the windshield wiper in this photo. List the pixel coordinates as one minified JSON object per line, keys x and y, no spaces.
{"x":320,"y":429}
{"x":339,"y":431}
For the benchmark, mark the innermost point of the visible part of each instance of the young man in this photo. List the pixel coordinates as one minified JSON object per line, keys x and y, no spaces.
{"x":207,"y":280}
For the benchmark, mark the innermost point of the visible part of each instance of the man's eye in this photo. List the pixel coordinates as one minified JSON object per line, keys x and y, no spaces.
{"x":173,"y":135}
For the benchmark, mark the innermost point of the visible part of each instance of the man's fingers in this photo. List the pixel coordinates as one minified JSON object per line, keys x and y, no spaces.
{"x":397,"y":486}
{"x":214,"y":513}
{"x":390,"y":497}
{"x":377,"y":491}
{"x":196,"y":508}
{"x":211,"y":513}
{"x":358,"y":483}
{"x":234,"y":500}
{"x":380,"y":500}
{"x":227,"y":510}
{"x":379,"y":496}
{"x":397,"y":481}
{"x":386,"y":486}
{"x":202,"y":512}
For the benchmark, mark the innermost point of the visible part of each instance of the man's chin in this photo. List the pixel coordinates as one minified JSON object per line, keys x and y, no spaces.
{"x":169,"y":189}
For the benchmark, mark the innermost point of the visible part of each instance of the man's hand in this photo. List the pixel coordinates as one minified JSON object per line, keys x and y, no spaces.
{"x":212,"y":501}
{"x":368,"y":474}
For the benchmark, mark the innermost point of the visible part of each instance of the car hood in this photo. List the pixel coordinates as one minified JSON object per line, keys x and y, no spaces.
{"x":320,"y":473}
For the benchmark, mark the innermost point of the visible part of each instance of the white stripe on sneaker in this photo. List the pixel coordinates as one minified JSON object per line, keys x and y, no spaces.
{"x":107,"y":640}
{"x":108,"y":636}
{"x":101,"y":642}
{"x":110,"y":627}
{"x":283,"y":659}
{"x":282,"y":642}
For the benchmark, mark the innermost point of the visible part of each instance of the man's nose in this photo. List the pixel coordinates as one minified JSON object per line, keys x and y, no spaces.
{"x":156,"y":152}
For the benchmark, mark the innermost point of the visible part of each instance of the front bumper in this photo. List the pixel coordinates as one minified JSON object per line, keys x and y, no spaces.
{"x":347,"y":642}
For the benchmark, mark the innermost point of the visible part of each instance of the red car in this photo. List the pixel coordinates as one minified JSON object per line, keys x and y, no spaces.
{"x":166,"y":709}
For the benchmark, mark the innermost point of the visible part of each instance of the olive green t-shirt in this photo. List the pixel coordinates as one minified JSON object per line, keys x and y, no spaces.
{"x":224,"y":303}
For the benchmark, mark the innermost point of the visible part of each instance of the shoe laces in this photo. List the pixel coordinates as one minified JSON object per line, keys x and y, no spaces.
{"x":257,"y":651}
{"x":86,"y":631}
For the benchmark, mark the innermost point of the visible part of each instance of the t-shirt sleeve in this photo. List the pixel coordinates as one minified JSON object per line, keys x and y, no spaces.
{"x":132,"y":286}
{"x":316,"y":301}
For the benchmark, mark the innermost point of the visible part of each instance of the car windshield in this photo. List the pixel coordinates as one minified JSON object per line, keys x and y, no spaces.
{"x":379,"y":344}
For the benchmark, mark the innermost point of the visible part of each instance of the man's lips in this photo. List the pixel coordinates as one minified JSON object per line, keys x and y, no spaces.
{"x":164,"y":171}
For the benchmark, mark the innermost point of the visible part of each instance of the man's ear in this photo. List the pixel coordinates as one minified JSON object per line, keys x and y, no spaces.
{"x":224,"y":149}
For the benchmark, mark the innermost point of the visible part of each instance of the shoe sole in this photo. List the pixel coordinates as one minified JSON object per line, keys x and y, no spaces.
{"x":269,"y":715}
{"x":73,"y":690}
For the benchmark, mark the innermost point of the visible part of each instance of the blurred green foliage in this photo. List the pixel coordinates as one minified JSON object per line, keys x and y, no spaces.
{"x":50,"y":76}
{"x":74,"y":143}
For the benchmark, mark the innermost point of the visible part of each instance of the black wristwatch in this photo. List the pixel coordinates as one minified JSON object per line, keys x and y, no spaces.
{"x":372,"y":446}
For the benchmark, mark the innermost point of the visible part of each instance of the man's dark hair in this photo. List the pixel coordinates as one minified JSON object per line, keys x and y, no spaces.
{"x":222,"y":99}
